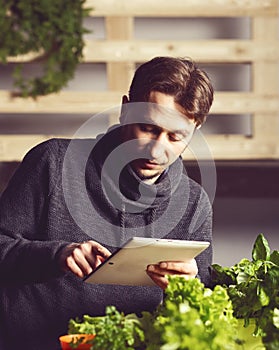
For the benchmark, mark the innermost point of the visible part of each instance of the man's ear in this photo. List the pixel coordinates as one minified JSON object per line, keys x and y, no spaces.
{"x":122,"y":117}
{"x":125,"y":99}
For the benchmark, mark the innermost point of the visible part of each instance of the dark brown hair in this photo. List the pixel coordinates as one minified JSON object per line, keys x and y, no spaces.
{"x":181,"y":78}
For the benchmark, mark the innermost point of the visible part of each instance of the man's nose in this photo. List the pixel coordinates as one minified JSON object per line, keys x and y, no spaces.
{"x":157,"y":147}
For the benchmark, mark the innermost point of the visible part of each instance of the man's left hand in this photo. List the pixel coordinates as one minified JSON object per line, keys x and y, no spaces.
{"x":157,"y":272}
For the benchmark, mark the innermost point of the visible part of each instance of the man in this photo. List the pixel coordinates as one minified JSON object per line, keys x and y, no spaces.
{"x":71,"y":203}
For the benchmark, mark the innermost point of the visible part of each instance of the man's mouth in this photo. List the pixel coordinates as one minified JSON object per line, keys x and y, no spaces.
{"x":148,"y":164}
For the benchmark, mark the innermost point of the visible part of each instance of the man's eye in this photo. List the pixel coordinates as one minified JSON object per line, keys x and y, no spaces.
{"x":146,"y":127}
{"x":176,"y":137}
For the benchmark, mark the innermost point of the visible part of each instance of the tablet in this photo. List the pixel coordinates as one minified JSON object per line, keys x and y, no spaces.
{"x":127,"y":266}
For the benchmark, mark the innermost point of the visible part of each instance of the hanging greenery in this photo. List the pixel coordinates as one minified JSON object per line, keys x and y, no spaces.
{"x":51,"y":28}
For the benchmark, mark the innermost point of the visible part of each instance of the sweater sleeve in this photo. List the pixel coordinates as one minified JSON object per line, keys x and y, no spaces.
{"x":204,"y":260}
{"x":201,"y":230}
{"x":25,"y":254}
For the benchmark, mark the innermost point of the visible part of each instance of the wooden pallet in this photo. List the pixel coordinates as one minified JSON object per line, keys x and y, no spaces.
{"x":120,"y":51}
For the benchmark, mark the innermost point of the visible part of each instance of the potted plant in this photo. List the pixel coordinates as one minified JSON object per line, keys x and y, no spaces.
{"x":77,"y":341}
{"x":52,"y":31}
{"x":115,"y":330}
{"x":239,"y":313}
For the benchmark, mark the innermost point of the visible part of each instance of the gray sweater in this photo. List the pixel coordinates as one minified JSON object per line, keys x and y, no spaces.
{"x":65,"y":192}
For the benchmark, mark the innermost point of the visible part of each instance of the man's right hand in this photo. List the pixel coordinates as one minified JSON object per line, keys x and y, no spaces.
{"x":82,"y":258}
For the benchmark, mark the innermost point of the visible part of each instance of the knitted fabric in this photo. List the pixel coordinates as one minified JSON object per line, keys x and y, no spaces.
{"x":57,"y":197}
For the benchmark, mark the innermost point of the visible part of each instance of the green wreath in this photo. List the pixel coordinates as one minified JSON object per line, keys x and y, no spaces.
{"x":53,"y":28}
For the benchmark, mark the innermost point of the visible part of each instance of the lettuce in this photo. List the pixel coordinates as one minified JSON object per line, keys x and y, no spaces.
{"x":193,"y":317}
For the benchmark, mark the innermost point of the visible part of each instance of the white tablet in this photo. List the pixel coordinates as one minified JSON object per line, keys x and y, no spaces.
{"x":127,"y":266}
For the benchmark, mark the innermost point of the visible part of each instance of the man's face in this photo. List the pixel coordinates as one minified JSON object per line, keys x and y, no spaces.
{"x":160,"y":138}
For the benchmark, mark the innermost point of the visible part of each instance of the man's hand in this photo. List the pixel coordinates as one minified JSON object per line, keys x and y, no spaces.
{"x":82,"y":258}
{"x":157,"y":272}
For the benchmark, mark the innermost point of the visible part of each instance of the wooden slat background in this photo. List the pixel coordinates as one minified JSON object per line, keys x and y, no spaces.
{"x":120,"y":51}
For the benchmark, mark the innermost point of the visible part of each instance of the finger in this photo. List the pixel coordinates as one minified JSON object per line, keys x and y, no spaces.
{"x":155,"y":268}
{"x":65,"y":254}
{"x":99,"y":260}
{"x":82,"y":261}
{"x":73,"y":267}
{"x":182,"y":267}
{"x":94,"y":253}
{"x":82,"y":258}
{"x":88,"y":254}
{"x":162,"y":272}
{"x":160,"y":280}
{"x":179,"y":266}
{"x":100,"y":250}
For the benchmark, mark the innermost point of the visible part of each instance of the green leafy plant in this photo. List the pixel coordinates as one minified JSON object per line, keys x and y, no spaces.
{"x":191,"y":317}
{"x":115,"y":330}
{"x":195,"y":317}
{"x":51,"y":28}
{"x":253,"y":287}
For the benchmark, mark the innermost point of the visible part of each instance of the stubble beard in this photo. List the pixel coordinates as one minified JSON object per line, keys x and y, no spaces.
{"x":145,"y":176}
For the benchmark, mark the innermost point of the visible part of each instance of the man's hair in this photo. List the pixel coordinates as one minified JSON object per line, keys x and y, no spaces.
{"x":181,"y":78}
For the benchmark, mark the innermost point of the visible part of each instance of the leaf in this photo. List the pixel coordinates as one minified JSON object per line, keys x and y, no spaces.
{"x":263,"y":297}
{"x":242,"y":277}
{"x":274,"y":257}
{"x":261,"y":250}
{"x":276,"y":317}
{"x":271,"y":280}
{"x":222,"y":275}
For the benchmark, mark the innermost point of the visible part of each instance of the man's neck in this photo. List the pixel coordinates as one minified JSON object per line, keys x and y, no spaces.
{"x":154,"y":179}
{"x":151,"y":181}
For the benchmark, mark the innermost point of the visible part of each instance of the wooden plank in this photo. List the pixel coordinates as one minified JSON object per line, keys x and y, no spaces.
{"x":62,"y":102}
{"x":266,"y":132}
{"x":221,"y":147}
{"x":265,"y":81}
{"x":127,"y":51}
{"x":95,"y":102}
{"x":182,"y":8}
{"x":119,"y":74}
{"x":265,"y":76}
{"x":231,"y":147}
{"x":201,"y":50}
{"x":245,"y":102}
